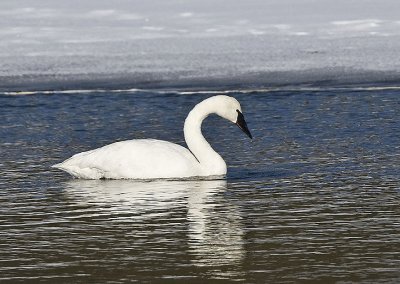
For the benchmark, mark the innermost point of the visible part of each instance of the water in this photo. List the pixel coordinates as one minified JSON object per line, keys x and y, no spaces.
{"x":313,"y":198}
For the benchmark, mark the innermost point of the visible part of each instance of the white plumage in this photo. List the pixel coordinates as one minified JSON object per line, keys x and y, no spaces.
{"x":153,"y":159}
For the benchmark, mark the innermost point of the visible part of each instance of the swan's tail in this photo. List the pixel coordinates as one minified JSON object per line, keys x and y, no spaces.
{"x":57,"y":166}
{"x":76,"y":172}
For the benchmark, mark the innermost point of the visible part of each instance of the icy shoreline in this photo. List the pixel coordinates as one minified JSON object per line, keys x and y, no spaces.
{"x":170,"y":44}
{"x":284,"y":80}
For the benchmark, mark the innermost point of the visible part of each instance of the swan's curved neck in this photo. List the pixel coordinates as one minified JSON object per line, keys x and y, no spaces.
{"x":210,"y":161}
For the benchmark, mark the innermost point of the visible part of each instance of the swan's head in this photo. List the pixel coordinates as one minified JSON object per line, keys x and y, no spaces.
{"x":229,"y":108}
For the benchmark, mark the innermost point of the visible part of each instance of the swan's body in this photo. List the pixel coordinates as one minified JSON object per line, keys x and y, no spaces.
{"x":138,"y":159}
{"x":152,"y":159}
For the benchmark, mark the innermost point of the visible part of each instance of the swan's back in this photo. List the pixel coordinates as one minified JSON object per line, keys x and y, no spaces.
{"x":133,"y":159}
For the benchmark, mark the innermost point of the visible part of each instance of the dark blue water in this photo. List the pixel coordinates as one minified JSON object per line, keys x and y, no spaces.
{"x":313,"y":198}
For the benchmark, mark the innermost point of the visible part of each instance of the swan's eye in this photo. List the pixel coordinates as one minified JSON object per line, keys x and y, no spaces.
{"x":239,"y":115}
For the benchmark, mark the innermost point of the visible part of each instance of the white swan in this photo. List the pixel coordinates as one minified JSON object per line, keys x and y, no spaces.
{"x":154,"y":159}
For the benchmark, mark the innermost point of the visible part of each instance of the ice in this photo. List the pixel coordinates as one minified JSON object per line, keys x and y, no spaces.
{"x":99,"y":43}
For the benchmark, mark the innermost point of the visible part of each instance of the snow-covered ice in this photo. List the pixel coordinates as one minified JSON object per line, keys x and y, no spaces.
{"x":124,"y":43}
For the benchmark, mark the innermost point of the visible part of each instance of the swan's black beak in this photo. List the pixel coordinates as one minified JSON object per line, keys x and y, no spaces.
{"x":242,"y":124}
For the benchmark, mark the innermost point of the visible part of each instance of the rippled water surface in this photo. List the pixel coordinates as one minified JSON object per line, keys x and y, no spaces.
{"x":314,"y":196}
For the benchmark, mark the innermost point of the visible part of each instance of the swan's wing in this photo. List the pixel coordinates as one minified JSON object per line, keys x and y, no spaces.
{"x":140,"y":159}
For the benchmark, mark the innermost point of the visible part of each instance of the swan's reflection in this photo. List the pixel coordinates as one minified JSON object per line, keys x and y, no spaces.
{"x":215,"y":233}
{"x":215,"y":228}
{"x":126,"y":196}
